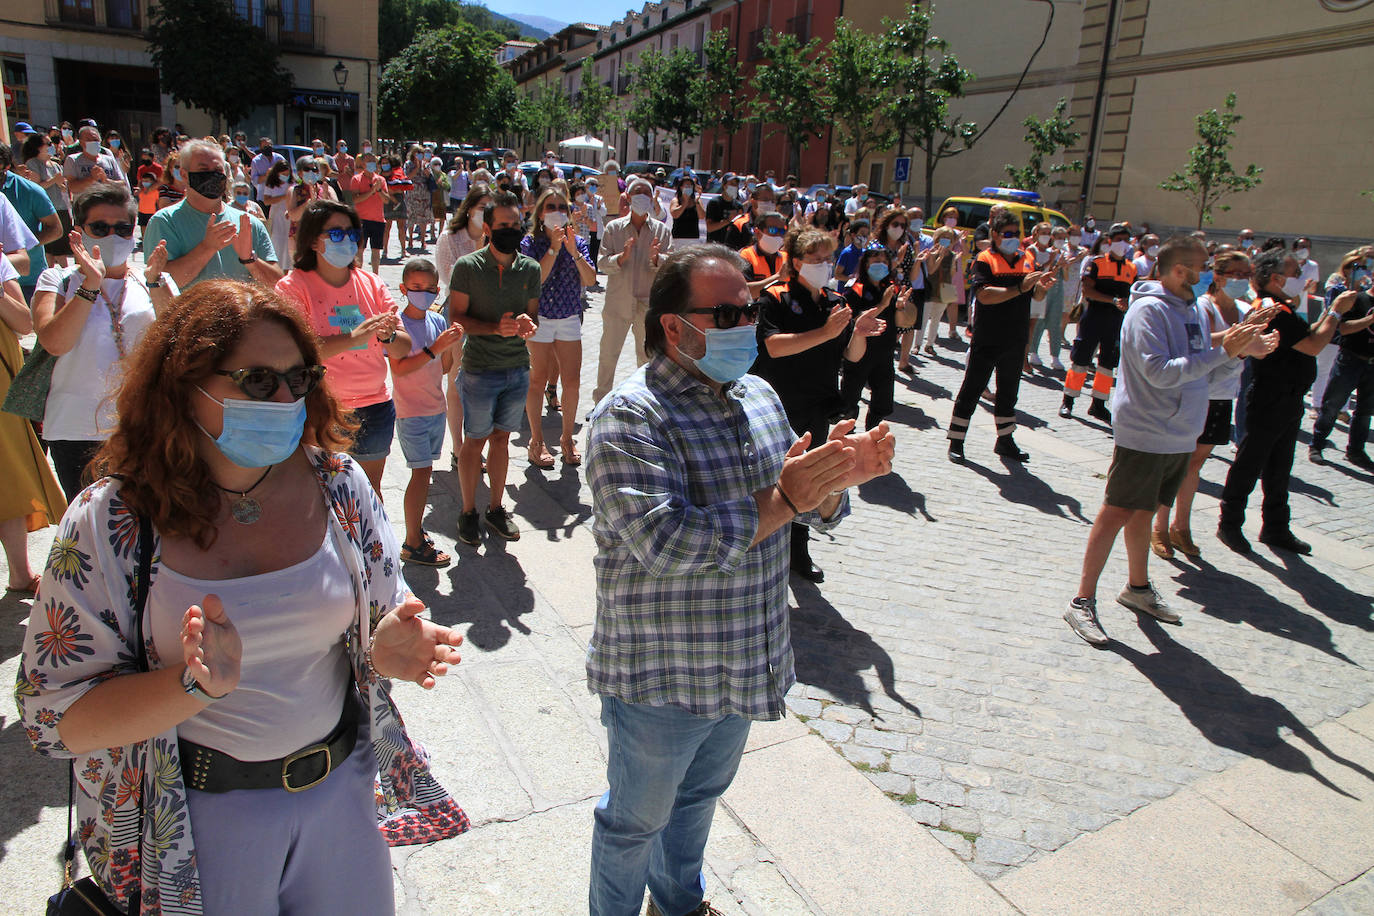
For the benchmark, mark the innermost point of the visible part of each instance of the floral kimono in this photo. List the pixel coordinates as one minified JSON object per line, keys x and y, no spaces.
{"x":81,"y":632}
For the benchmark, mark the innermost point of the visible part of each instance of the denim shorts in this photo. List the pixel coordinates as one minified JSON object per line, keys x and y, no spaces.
{"x":376,"y":426}
{"x":421,"y":438}
{"x":492,"y":400}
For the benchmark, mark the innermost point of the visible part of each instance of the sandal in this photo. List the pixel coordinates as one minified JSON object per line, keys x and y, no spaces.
{"x":551,"y":399}
{"x":1183,"y":540}
{"x":571,"y":456}
{"x":1160,"y":544}
{"x":424,"y":555}
{"x":30,"y":589}
{"x":540,"y":456}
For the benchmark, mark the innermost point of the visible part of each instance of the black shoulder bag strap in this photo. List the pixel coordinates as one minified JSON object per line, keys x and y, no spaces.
{"x":144,"y":550}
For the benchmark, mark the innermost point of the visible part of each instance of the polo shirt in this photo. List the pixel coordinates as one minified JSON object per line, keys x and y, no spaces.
{"x":808,"y":381}
{"x":1285,"y":371}
{"x":183,"y":227}
{"x":494,"y":292}
{"x":1112,"y":277}
{"x":1361,"y":343}
{"x":719,"y":208}
{"x":1009,"y":320}
{"x":32,"y":204}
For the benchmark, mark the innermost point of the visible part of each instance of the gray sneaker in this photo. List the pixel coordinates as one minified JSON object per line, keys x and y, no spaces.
{"x":1082,"y":619}
{"x":1148,"y":601}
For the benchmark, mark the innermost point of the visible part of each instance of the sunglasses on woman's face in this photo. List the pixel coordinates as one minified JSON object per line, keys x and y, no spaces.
{"x":727,"y":314}
{"x":261,"y":382}
{"x":337,"y":235}
{"x":557,"y":208}
{"x":100,"y":229}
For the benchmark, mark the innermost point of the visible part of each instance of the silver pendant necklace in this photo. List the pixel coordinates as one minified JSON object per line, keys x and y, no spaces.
{"x":246,"y":510}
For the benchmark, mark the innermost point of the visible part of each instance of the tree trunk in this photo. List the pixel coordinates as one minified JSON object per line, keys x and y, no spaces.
{"x":930,"y":181}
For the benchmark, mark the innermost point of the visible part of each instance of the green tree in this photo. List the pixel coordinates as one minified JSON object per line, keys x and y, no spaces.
{"x":554,"y":113}
{"x":596,"y":110}
{"x":1209,"y":175}
{"x":400,"y":21}
{"x":501,"y":111}
{"x":855,"y":72}
{"x":679,"y":95}
{"x":436,"y":87}
{"x":724,"y":87}
{"x":788,"y":95}
{"x":642,"y":115}
{"x":1047,"y":138}
{"x":185,"y":35}
{"x":924,"y":75}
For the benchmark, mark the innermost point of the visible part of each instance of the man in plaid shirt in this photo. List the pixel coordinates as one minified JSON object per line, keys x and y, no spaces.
{"x":695,"y":481}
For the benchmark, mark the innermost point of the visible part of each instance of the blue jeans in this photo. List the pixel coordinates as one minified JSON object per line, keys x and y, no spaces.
{"x":666,"y":769}
{"x":1348,"y":374}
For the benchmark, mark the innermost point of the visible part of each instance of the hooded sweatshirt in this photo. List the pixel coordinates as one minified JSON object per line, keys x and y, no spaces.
{"x":1160,"y":404}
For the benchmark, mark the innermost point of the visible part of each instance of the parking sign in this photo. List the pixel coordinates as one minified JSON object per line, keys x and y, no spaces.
{"x":902,"y":171}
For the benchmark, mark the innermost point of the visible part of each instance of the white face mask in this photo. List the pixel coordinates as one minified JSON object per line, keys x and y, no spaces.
{"x":114,"y":251}
{"x":581,"y":198}
{"x":1075,"y":240}
{"x":474,"y":223}
{"x":1292,"y":286}
{"x":763,"y":207}
{"x":1152,"y":252}
{"x":555,"y":220}
{"x":1119,"y":249}
{"x":367,"y":148}
{"x":770,"y":244}
{"x":951,"y":221}
{"x":1301,"y":253}
{"x":640,"y":203}
{"x":731,"y":192}
{"x":817,"y":275}
{"x":1043,"y":240}
{"x":894,"y":233}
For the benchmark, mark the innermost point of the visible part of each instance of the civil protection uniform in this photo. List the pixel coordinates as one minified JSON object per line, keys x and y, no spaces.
{"x":760,"y":264}
{"x":807,"y":383}
{"x":875,"y":368}
{"x":740,"y":233}
{"x":1099,"y":330}
{"x":999,"y":342}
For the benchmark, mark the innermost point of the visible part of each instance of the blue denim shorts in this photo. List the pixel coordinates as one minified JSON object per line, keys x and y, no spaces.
{"x":492,"y":400}
{"x":421,"y":438}
{"x":376,"y":427}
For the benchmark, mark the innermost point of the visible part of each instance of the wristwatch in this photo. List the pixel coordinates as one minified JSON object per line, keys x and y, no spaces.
{"x":248,"y":260}
{"x":387,"y":340}
{"x":193,"y":688}
{"x":430,"y":353}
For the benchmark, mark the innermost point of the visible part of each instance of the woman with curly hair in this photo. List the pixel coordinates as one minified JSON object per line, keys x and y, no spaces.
{"x":230,"y":734}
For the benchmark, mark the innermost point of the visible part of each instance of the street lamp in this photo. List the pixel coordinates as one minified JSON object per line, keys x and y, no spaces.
{"x":340,"y":74}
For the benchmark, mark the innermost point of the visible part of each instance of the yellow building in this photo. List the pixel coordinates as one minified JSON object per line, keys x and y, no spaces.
{"x":73,"y":59}
{"x":1299,"y":68}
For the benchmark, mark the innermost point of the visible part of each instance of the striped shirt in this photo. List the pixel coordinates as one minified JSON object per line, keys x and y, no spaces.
{"x":688,"y":613}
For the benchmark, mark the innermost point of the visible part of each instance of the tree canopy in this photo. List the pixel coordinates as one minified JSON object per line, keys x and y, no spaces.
{"x":855,"y":69}
{"x":439,"y":85}
{"x":789,"y":96}
{"x":1047,"y":138}
{"x":400,"y":21}
{"x":1209,"y":175}
{"x":209,"y":57}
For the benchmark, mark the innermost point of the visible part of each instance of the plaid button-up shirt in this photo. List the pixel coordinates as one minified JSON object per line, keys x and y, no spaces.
{"x":687,"y":612}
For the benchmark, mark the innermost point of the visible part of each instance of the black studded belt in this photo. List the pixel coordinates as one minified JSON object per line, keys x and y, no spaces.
{"x":208,"y":770}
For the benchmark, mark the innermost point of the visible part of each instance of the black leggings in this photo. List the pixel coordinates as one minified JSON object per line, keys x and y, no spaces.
{"x":70,"y":458}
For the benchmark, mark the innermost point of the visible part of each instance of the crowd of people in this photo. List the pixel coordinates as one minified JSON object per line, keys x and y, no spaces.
{"x":209,"y":424}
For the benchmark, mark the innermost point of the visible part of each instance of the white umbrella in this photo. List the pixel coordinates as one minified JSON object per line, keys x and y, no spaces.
{"x":586,"y":141}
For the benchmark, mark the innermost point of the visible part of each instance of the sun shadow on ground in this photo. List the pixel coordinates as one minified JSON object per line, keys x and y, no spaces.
{"x":892,"y":490}
{"x":831,"y":653}
{"x":1018,"y":485}
{"x":1319,"y":591}
{"x":489,"y":592}
{"x":1227,"y":714}
{"x":1236,"y":600}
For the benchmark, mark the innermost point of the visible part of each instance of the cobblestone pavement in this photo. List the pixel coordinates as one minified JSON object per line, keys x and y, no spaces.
{"x":934,"y":657}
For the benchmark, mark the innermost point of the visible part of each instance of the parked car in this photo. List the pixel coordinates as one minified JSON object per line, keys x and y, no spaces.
{"x":701,"y":176}
{"x":843,"y":192}
{"x":1025,"y":204}
{"x":531,"y":167}
{"x":645,"y":167}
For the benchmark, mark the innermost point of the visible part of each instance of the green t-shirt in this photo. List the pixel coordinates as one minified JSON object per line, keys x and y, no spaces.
{"x":492,"y":293}
{"x":183,"y":227}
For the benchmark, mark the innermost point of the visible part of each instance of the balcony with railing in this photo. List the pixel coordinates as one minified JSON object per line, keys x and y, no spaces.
{"x":106,"y":15}
{"x":288,"y":23}
{"x":800,"y":26}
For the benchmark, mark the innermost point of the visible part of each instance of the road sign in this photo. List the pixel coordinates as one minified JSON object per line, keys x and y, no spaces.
{"x":902,"y":171}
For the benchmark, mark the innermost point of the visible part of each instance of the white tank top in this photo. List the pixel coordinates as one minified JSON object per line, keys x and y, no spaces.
{"x":295,"y":670}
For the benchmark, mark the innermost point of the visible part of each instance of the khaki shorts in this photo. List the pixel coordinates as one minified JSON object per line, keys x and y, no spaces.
{"x":1144,"y":481}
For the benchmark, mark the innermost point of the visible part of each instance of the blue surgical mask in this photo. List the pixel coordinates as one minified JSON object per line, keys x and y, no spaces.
{"x":1203,"y":284}
{"x":310,"y":177}
{"x":370,"y":166}
{"x":1009,"y":247}
{"x":877,"y":272}
{"x":241,"y":199}
{"x":1237,"y":288}
{"x":729,"y":352}
{"x":422,"y":299}
{"x":258,"y":434}
{"x":340,"y":254}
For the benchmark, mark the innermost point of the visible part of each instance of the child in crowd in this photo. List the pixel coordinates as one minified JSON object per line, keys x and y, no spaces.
{"x":418,"y":390}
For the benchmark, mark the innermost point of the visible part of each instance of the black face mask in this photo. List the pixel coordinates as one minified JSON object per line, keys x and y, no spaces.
{"x":208,"y":183}
{"x":266,"y":150}
{"x":507,"y":241}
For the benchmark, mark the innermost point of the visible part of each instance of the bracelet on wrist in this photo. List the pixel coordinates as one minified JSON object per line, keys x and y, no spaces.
{"x":791,"y":505}
{"x":386,"y":340}
{"x":153,"y":284}
{"x":248,"y":260}
{"x":90,"y":295}
{"x":430,"y":353}
{"x":370,"y":666}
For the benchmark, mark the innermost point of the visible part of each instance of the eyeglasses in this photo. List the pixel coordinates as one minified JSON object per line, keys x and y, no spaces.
{"x":100,"y":229}
{"x":727,"y":314}
{"x":310,"y":171}
{"x":337,"y":235}
{"x":1011,"y":234}
{"x":901,"y":226}
{"x":774,"y":230}
{"x":558,"y":208}
{"x":261,"y":382}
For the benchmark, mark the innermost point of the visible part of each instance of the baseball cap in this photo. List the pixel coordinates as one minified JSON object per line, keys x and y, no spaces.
{"x":1119,"y":228}
{"x":25,"y":126}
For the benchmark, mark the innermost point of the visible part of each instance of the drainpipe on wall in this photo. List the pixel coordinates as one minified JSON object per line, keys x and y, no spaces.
{"x":1089,"y":161}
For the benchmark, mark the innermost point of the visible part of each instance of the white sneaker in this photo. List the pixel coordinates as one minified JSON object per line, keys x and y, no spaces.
{"x":1056,"y":364}
{"x":1149,"y":601}
{"x":1082,"y":619}
{"x":1034,"y":360}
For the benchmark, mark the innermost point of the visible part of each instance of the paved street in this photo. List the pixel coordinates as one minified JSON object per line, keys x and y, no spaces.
{"x":933,"y":658}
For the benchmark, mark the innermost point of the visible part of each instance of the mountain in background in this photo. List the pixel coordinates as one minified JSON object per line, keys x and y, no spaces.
{"x":527,"y":26}
{"x":543,"y":25}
